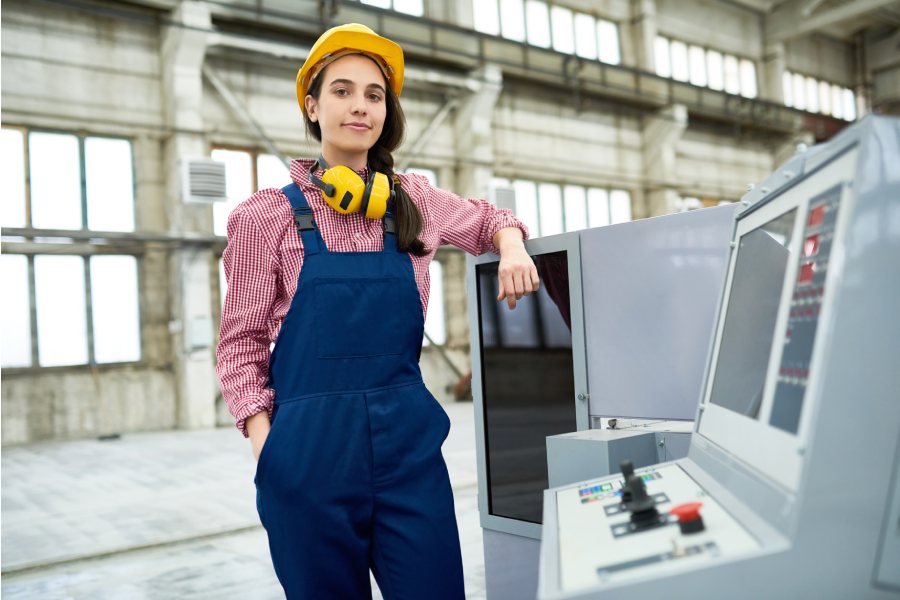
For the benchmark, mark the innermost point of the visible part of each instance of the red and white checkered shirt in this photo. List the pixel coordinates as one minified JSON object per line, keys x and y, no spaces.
{"x":264,"y":255}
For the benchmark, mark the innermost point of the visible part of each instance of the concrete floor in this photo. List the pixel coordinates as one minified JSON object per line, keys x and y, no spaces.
{"x":166,"y":515}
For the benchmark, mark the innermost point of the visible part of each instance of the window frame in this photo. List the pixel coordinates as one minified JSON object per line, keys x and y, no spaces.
{"x":254,"y":153}
{"x":723,"y":56}
{"x":529,"y":36}
{"x":498,"y":181}
{"x":31,"y":246}
{"x":835,"y":111}
{"x":85,"y":255}
{"x":81,"y":137}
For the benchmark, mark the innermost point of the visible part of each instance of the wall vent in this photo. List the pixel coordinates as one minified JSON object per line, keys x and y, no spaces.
{"x":204,"y":180}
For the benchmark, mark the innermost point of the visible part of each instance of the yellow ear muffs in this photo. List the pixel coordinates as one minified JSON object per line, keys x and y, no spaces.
{"x":376,"y":196}
{"x":348,"y":189}
{"x":346,"y":192}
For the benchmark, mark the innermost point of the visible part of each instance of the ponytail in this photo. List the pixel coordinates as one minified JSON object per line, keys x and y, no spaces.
{"x":406,"y":213}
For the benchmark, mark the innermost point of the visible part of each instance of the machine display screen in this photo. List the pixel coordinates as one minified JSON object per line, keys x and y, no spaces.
{"x":749,"y":329}
{"x":528,"y":384}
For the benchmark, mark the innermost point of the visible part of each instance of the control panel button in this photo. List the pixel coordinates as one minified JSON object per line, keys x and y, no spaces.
{"x":689,"y":519}
{"x":816,"y":216}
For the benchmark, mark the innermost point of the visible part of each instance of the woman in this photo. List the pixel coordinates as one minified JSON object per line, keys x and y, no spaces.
{"x":349,"y":474}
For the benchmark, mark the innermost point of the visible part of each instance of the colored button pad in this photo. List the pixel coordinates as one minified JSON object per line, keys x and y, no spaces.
{"x":806,"y":305}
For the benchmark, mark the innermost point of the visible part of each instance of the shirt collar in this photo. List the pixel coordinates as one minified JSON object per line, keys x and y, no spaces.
{"x":300,"y":171}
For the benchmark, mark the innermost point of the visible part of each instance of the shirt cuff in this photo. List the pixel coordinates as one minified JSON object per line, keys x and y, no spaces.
{"x":251,"y":407}
{"x":505,"y":218}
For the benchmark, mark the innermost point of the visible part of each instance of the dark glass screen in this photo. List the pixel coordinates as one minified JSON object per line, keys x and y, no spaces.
{"x":528,"y":384}
{"x":749,"y":329}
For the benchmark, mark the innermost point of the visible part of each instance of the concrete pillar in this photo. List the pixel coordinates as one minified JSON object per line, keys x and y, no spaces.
{"x":660,"y":136}
{"x":183,"y":50}
{"x":642,"y":30}
{"x":772,"y":73}
{"x":473,"y":126}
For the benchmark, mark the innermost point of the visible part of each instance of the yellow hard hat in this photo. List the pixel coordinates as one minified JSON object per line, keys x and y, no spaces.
{"x":351,"y":39}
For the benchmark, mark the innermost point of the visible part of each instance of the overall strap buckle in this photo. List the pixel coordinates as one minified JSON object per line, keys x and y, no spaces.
{"x":303,"y":217}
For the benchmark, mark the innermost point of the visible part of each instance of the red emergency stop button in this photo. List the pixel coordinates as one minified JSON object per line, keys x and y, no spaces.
{"x":689,"y":519}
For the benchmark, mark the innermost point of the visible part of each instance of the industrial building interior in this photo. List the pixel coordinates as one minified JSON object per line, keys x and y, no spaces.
{"x":123,"y":475}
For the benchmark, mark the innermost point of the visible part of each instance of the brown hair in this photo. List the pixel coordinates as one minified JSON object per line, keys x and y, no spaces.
{"x":407,"y":215}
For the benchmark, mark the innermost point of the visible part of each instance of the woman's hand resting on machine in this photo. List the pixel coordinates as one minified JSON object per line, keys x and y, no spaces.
{"x":517,"y":274}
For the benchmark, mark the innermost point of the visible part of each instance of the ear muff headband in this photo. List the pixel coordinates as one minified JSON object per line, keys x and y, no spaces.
{"x":346,"y":192}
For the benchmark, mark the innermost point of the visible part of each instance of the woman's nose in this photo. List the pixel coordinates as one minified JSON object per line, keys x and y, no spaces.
{"x":359,"y":104}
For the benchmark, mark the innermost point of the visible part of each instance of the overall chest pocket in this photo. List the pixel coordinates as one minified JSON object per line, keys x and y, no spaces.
{"x":357,"y":318}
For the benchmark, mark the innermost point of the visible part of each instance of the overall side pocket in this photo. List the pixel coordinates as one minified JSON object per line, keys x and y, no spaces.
{"x":266,"y":449}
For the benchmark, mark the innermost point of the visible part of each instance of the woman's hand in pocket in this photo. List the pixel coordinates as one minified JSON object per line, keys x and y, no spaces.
{"x":258,"y":427}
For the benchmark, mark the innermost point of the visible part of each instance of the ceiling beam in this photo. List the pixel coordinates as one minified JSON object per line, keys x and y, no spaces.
{"x":800,"y":17}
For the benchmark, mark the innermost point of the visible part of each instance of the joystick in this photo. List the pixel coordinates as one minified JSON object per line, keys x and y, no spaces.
{"x":641,"y":505}
{"x":627,"y":471}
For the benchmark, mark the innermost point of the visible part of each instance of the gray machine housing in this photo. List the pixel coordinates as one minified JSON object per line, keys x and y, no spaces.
{"x":580,"y":455}
{"x":641,"y":293}
{"x":834,"y":530}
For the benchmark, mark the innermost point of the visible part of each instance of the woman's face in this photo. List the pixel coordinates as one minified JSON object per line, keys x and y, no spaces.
{"x":351,"y":108}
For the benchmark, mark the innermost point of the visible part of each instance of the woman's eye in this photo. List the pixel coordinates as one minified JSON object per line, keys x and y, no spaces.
{"x":341,"y":92}
{"x":375,"y":97}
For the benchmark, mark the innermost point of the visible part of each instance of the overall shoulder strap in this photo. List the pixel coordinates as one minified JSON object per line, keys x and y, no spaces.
{"x":303,"y":218}
{"x":390,"y":231}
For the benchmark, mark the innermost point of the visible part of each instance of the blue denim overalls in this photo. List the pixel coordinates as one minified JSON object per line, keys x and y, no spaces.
{"x":351,"y":475}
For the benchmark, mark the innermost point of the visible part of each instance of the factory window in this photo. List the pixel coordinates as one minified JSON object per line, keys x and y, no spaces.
{"x":428,"y":173}
{"x":704,"y":67}
{"x":486,"y":17}
{"x":410,"y":7}
{"x":562,"y":26}
{"x":79,"y":310}
{"x":608,"y":38}
{"x":697,"y":65}
{"x":679,"y":61}
{"x":585,"y":36}
{"x":63,"y":308}
{"x":549,"y":26}
{"x":246,"y":171}
{"x":512,"y":19}
{"x":813,"y":95}
{"x":16,"y":308}
{"x":75,"y":182}
{"x":732,"y":78}
{"x":715,"y":73}
{"x":435,"y":320}
{"x":548,"y":209}
{"x":223,"y":283}
{"x":575,"y":207}
{"x":537,"y":23}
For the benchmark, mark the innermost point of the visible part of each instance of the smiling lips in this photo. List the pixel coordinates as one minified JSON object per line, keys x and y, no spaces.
{"x":357,"y":126}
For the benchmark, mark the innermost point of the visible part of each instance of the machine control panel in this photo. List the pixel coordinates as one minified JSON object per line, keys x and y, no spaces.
{"x":806,"y":304}
{"x":655,"y":520}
